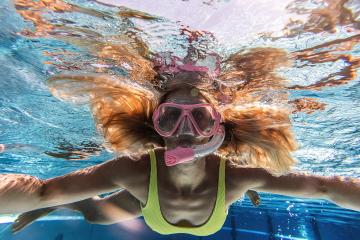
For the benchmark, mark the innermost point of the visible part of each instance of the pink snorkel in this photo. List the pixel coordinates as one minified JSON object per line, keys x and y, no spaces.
{"x":182,"y":155}
{"x":210,"y":65}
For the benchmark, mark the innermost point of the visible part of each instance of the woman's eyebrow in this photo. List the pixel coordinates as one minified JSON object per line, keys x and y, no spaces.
{"x":185,"y":100}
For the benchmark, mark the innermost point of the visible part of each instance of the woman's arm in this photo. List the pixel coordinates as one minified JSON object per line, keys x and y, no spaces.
{"x":21,"y":193}
{"x":343,"y":191}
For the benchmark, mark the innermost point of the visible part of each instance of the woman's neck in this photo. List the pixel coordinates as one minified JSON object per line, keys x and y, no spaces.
{"x":185,"y":177}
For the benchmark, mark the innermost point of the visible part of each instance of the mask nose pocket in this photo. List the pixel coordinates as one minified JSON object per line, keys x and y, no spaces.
{"x":186,"y":127}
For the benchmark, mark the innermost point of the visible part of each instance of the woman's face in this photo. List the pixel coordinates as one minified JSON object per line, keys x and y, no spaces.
{"x":185,"y":135}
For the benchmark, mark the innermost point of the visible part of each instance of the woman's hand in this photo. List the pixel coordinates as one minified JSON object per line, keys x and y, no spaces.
{"x":343,"y":191}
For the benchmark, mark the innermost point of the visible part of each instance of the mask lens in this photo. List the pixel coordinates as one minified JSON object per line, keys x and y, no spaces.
{"x":203,"y":117}
{"x":168,"y":116}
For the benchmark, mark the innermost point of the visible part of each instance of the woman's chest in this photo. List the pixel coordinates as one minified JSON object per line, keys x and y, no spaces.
{"x":187,"y":209}
{"x":200,"y":202}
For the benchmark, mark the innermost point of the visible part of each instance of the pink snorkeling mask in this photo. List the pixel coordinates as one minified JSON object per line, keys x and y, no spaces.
{"x":203,"y":119}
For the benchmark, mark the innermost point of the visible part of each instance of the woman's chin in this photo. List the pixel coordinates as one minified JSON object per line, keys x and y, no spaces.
{"x":186,"y":145}
{"x":181,"y":144}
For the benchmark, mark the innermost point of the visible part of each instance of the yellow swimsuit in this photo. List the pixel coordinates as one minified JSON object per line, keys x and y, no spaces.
{"x":155,"y":220}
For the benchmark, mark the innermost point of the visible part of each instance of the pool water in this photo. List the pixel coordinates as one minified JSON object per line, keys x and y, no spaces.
{"x":51,"y":138}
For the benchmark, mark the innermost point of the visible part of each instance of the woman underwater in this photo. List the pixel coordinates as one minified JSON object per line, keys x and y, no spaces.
{"x":196,"y":134}
{"x":180,"y":185}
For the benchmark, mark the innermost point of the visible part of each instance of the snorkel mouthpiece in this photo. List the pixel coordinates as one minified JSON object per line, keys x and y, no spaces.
{"x":181,"y":155}
{"x":178,"y":155}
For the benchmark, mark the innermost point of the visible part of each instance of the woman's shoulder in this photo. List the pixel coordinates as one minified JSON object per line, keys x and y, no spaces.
{"x":131,"y":163}
{"x":139,"y":160}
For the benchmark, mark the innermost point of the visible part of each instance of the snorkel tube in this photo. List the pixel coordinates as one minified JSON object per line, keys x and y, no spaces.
{"x":181,"y":155}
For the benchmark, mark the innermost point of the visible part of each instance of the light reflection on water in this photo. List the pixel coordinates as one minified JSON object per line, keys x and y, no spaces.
{"x":321,"y":37}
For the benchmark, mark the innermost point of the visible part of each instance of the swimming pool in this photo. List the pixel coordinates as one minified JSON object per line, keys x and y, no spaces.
{"x":57,"y":137}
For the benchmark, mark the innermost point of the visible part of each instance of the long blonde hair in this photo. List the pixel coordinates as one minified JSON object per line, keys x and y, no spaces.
{"x":257,"y":134}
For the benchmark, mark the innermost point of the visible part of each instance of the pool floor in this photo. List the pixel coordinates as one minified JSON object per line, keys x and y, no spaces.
{"x":244,"y":223}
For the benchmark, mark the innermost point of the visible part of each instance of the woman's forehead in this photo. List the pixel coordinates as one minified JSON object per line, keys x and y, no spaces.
{"x":188,"y":96}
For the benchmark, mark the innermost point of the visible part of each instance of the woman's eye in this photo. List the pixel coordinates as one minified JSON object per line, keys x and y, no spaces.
{"x":173,"y":117}
{"x":199,"y":114}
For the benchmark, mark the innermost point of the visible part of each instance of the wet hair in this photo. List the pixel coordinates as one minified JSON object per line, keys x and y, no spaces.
{"x":249,"y":95}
